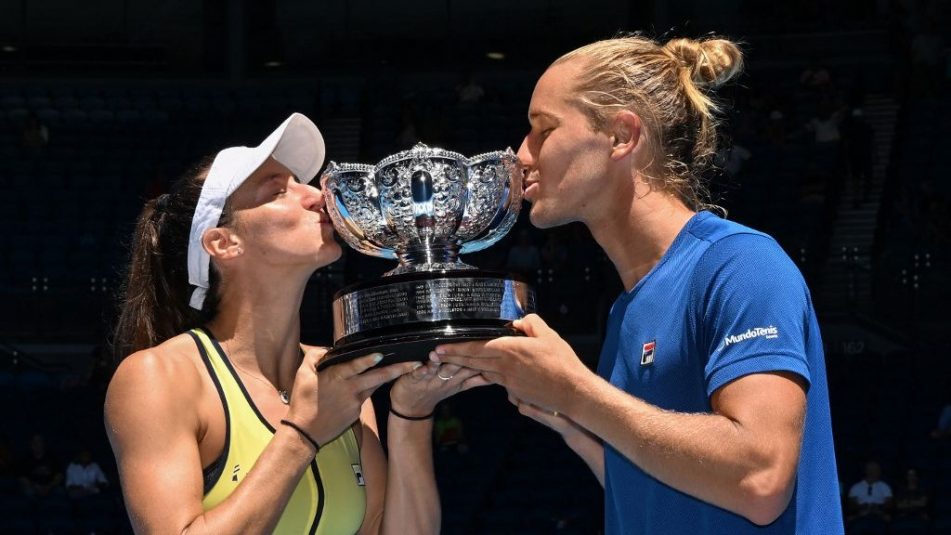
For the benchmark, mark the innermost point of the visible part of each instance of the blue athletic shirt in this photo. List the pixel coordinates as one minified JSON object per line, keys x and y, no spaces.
{"x":724,"y":301}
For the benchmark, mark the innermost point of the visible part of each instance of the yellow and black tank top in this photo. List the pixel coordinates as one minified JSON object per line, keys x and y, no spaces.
{"x":329,"y":499}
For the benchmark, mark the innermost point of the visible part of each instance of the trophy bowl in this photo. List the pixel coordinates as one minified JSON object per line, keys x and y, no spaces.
{"x":424,"y":207}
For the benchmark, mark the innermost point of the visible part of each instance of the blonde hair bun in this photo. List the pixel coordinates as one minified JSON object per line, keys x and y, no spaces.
{"x":712,"y":62}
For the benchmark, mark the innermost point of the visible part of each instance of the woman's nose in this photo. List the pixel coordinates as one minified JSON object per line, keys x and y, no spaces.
{"x":313,"y":198}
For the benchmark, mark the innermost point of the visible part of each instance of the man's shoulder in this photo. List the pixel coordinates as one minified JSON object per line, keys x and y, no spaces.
{"x":721,"y":232}
{"x":735,"y":252}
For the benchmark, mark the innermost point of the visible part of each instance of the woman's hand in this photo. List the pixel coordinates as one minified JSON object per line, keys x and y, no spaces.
{"x":326,"y":403}
{"x":573,"y":434}
{"x":416,"y":393}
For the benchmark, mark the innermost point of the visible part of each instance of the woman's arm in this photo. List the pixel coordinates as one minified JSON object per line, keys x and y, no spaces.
{"x":153,"y":422}
{"x":587,"y":446}
{"x":401,"y":491}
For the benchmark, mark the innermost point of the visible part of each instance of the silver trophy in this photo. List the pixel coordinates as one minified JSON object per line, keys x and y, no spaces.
{"x":424,"y":207}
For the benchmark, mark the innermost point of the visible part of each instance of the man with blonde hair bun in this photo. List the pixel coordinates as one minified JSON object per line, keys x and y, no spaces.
{"x":709,"y":411}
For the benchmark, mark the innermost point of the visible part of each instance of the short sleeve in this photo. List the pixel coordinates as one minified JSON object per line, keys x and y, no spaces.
{"x":854,"y":492}
{"x":755,"y":310}
{"x":72,"y":479}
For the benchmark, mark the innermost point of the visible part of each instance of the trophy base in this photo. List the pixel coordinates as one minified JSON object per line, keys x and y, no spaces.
{"x":413,"y":346}
{"x":405,"y":316}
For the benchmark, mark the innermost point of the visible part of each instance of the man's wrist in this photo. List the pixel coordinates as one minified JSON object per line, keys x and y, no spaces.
{"x":580,"y":395}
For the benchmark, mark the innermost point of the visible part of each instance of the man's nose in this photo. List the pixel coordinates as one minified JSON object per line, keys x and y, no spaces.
{"x":525,"y":157}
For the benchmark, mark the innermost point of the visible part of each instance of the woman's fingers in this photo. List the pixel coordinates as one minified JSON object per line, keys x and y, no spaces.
{"x":474,"y":381}
{"x":447,"y":371}
{"x":542,"y":416}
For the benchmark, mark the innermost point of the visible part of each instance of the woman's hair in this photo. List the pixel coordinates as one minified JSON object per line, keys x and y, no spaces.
{"x":153,"y":302}
{"x":669,"y":87}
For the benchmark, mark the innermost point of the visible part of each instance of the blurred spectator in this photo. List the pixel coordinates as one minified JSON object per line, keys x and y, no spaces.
{"x":555,"y":253}
{"x":470,"y":92}
{"x":859,"y":142}
{"x":731,"y":159}
{"x":448,"y":432}
{"x":825,"y":125}
{"x":943,"y":430}
{"x":84,"y":476}
{"x":776,"y":128}
{"x":927,"y":58}
{"x":524,"y":256}
{"x":827,"y":136}
{"x":870,"y":500}
{"x":815,"y":77}
{"x":35,"y":135}
{"x":911,"y":506}
{"x":40,"y":474}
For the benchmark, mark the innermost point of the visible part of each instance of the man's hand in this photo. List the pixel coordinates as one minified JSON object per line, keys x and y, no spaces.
{"x":539,"y":368}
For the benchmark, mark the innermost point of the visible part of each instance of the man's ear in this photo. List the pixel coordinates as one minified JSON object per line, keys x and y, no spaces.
{"x":221,"y":243}
{"x":625,"y":134}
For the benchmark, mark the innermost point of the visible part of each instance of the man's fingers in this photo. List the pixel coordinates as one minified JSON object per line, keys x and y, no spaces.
{"x":476,"y":363}
{"x":374,"y":378}
{"x":532,"y":325}
{"x":476,"y":349}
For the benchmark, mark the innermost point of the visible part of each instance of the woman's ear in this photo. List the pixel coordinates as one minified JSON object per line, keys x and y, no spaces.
{"x":222,"y":244}
{"x":625,"y":134}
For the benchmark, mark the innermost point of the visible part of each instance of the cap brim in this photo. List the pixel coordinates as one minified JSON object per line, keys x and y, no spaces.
{"x":297,"y":144}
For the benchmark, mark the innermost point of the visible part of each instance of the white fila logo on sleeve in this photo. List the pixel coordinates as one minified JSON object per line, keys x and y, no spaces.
{"x":755,"y":332}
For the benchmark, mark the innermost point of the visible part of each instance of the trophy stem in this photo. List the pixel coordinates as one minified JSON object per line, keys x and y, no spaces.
{"x":428,"y":258}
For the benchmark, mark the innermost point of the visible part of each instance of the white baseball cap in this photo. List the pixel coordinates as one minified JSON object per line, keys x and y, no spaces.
{"x":297,"y":144}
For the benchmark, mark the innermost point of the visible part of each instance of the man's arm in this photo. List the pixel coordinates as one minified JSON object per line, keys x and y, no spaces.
{"x":742,"y":457}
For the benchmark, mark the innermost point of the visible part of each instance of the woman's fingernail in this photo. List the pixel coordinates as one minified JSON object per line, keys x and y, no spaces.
{"x":417,"y":365}
{"x":433,"y":356}
{"x":377,"y":357}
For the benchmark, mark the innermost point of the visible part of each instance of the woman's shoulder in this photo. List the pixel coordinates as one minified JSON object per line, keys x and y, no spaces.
{"x":172,"y":365}
{"x":155,"y":392}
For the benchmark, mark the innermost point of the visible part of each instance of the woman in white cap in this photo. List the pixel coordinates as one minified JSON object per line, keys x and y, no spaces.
{"x":218,"y":418}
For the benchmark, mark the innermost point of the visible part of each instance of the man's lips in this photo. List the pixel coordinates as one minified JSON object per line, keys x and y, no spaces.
{"x":531,"y":187}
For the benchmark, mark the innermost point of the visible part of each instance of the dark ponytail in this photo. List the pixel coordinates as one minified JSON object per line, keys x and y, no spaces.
{"x":153,"y":303}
